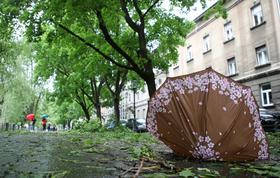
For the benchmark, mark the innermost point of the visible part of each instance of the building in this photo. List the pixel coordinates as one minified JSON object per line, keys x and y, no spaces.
{"x":245,"y":47}
{"x":141,"y":100}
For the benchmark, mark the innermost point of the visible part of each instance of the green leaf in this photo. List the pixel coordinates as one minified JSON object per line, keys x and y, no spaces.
{"x":186,"y":173}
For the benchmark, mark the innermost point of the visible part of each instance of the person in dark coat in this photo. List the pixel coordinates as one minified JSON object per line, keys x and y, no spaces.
{"x":33,"y":123}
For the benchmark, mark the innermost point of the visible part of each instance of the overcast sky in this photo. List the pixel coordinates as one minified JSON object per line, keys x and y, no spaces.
{"x":195,"y":11}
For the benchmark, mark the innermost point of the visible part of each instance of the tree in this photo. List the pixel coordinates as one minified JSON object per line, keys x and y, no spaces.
{"x":115,"y":83}
{"x":73,"y":66}
{"x":142,"y":33}
{"x":17,"y":92}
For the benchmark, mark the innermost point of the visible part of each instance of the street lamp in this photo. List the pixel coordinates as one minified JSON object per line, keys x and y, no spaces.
{"x":134,"y":87}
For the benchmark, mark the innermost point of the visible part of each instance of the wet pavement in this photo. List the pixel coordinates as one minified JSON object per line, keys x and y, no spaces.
{"x":59,"y":154}
{"x":54,"y":155}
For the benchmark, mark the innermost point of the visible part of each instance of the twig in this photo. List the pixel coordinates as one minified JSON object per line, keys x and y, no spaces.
{"x":128,"y":170}
{"x":161,"y":163}
{"x":139,"y":169}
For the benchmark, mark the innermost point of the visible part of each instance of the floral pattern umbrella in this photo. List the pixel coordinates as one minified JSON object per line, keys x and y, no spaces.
{"x":207,"y":116}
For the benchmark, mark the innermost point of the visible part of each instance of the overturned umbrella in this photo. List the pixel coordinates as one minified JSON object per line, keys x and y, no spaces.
{"x":207,"y":116}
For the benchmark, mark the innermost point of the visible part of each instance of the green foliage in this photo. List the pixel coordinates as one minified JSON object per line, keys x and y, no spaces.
{"x":88,"y":143}
{"x":274,"y":140}
{"x":267,"y":170}
{"x":59,"y":174}
{"x":218,"y":10}
{"x":91,"y":126}
{"x":158,"y":175}
{"x":199,"y":172}
{"x":186,"y":173}
{"x":143,"y":151}
{"x":17,"y":92}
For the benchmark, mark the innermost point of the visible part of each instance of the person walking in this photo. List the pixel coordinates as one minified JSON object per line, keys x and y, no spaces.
{"x":44,"y":123}
{"x":33,"y":123}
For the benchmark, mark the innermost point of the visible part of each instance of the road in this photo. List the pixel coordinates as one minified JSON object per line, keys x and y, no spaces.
{"x":113,"y":154}
{"x":44,"y":154}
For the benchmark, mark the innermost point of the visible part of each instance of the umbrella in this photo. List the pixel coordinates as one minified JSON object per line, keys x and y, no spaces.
{"x":44,"y":116}
{"x":207,"y":116}
{"x":30,"y":117}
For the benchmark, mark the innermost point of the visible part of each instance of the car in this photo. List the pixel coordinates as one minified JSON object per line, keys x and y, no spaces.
{"x":270,"y":120}
{"x":138,"y":125}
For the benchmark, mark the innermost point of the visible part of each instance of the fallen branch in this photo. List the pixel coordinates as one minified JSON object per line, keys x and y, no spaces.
{"x":161,"y":163}
{"x":128,"y":170}
{"x":139,"y":169}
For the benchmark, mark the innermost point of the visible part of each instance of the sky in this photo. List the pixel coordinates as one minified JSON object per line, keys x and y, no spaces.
{"x":194,"y":12}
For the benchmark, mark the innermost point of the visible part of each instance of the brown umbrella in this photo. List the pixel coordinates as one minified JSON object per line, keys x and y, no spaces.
{"x":208,"y":116}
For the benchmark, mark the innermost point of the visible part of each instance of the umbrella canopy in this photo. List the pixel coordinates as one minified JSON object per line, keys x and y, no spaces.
{"x":207,"y":116}
{"x":44,"y":116}
{"x":30,"y":117}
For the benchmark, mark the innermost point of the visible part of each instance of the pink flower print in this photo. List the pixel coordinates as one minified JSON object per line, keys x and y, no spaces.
{"x":201,"y":139}
{"x":211,"y":145}
{"x":207,"y":139}
{"x":214,"y":87}
{"x":194,"y":133}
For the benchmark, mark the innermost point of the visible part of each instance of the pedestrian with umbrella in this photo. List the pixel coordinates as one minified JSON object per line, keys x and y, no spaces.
{"x":44,"y":121}
{"x":31,"y":117}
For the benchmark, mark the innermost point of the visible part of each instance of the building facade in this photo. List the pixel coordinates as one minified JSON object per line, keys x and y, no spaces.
{"x":245,"y":47}
{"x":141,"y":100}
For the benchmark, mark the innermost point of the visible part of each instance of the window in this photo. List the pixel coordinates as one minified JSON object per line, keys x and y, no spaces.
{"x":262,"y":56}
{"x":266,"y":96}
{"x":257,"y":15}
{"x":228,"y":31}
{"x":189,"y":53}
{"x":232,"y":66}
{"x":176,"y":70}
{"x":144,"y":113}
{"x":206,"y":43}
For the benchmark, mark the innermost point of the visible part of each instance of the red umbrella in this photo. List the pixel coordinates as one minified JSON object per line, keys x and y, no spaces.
{"x":30,"y":117}
{"x":207,"y":116}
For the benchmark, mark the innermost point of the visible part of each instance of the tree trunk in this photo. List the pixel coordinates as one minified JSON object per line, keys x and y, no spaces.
{"x":98,"y":110}
{"x":117,"y":109}
{"x":86,"y":112}
{"x":36,"y":103}
{"x":149,"y":78}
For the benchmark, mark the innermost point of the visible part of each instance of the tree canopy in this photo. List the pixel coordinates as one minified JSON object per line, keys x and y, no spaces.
{"x":136,"y":35}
